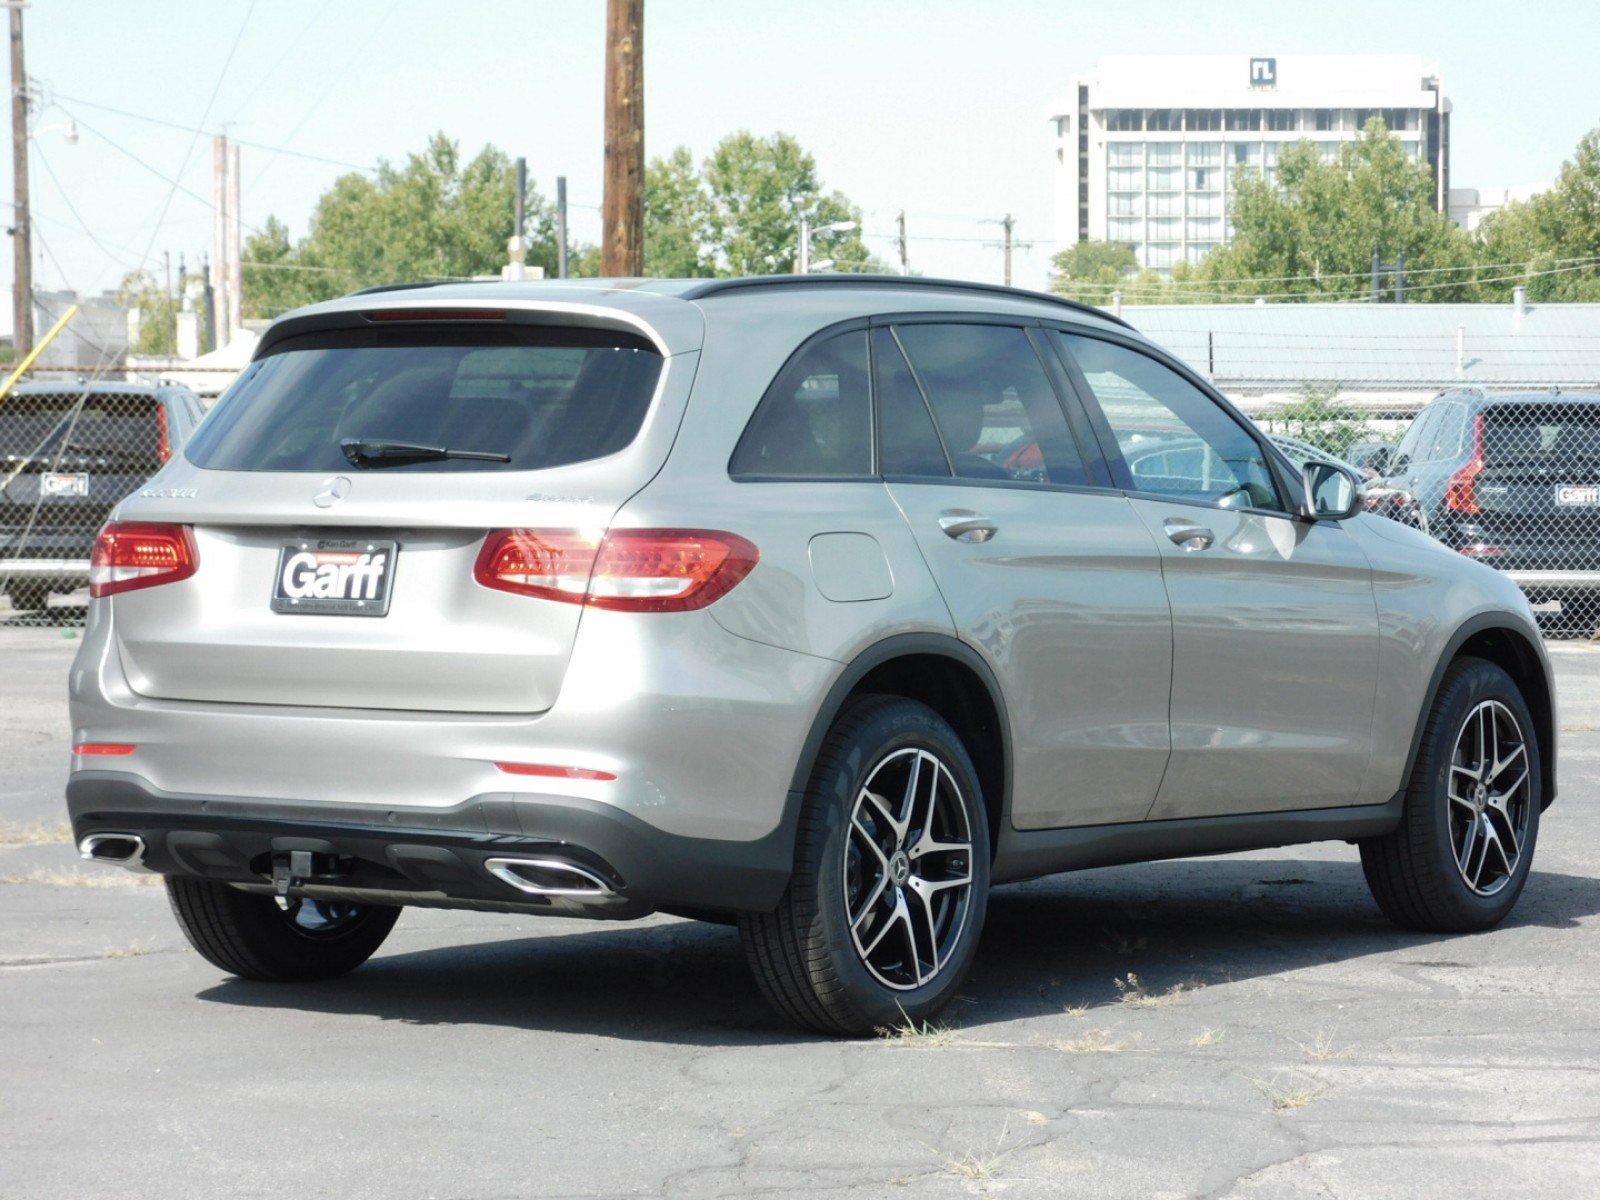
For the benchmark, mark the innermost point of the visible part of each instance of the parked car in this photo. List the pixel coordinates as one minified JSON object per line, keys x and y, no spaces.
{"x":1513,"y":480}
{"x":1370,"y":456}
{"x":818,"y":605}
{"x":68,"y":454}
{"x":1300,"y":453}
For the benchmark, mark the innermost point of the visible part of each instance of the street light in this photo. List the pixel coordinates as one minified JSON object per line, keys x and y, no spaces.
{"x":806,"y":233}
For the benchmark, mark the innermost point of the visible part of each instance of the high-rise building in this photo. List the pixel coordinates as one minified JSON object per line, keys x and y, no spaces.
{"x":1147,"y":147}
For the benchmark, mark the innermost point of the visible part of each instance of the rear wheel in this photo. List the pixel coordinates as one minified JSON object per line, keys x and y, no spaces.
{"x":1461,"y":854}
{"x":262,"y":938}
{"x":883,"y":913}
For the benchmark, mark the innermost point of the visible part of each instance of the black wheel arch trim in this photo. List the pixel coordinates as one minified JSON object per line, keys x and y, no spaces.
{"x":906,"y":645}
{"x":1493,"y":622}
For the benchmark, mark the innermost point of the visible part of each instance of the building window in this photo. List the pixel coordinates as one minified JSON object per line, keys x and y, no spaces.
{"x":1165,"y":204}
{"x":1164,"y":228}
{"x":1163,"y":119}
{"x":1205,"y":179}
{"x":1204,"y":120}
{"x":1244,"y":119}
{"x":1125,"y":120}
{"x":1123,"y":179}
{"x":1122,"y":204}
{"x":1205,"y":154}
{"x":1203,"y":229}
{"x":1123,"y":229}
{"x":1208,"y":204}
{"x":1329,"y":151}
{"x":1247,"y":154}
{"x":1325,"y":119}
{"x":1165,"y":154}
{"x":1122,"y":154}
{"x":1281,"y":120}
{"x":1198,"y":250}
{"x":1161,"y":254}
{"x":1165,"y":179}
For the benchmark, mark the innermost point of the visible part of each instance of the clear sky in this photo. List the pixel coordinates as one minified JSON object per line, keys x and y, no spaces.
{"x":936,"y":107}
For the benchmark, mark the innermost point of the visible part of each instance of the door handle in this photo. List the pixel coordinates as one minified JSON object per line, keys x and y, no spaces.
{"x":1189,"y":535}
{"x":966,"y":526}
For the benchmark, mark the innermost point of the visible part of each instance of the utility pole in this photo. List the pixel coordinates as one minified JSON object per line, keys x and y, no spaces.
{"x":622,"y":212}
{"x":805,"y":247}
{"x":21,"y":235}
{"x":218,"y":309}
{"x":1007,"y":225}
{"x":561,"y":226}
{"x":517,"y":249}
{"x":900,"y":239}
{"x":1396,"y":268}
{"x":233,"y":238}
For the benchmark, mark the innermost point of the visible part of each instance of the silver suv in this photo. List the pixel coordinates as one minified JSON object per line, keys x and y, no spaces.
{"x":816,"y":605}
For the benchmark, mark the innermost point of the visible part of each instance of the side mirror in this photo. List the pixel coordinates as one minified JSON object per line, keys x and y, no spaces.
{"x":1331,"y":492}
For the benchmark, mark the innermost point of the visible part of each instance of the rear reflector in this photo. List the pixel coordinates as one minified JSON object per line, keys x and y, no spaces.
{"x":140,"y":554}
{"x":552,"y":772}
{"x":94,"y":748}
{"x":632,"y":570}
{"x":435,"y":314}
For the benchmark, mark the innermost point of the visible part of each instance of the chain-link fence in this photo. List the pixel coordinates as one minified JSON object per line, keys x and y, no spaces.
{"x":68,"y":454}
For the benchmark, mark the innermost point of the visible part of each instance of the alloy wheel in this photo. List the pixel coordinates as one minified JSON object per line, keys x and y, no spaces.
{"x":908,"y":869}
{"x":1490,"y":797}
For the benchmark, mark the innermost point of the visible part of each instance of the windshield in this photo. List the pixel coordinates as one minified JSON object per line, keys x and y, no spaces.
{"x":536,"y":397}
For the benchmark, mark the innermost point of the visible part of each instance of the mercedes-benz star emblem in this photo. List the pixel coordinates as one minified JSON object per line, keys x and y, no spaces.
{"x":332,"y":491}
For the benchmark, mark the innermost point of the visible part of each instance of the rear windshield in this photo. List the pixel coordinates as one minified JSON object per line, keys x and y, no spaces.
{"x":1553,"y":432}
{"x":544,"y":397}
{"x":48,"y":430}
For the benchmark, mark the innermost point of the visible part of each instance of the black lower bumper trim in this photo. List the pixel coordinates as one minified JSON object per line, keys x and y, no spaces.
{"x":436,"y":856}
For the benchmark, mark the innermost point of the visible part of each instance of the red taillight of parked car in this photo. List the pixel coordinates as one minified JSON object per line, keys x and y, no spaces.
{"x":632,"y":570}
{"x":140,"y":554}
{"x":1461,"y":493}
{"x":163,"y":438}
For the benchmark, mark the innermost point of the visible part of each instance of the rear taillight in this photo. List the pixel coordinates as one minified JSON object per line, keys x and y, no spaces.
{"x":163,"y":441}
{"x":634,"y":570}
{"x":140,"y":554}
{"x":1461,"y":493}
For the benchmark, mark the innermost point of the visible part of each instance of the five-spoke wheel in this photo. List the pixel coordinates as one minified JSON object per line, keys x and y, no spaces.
{"x":1489,"y":797}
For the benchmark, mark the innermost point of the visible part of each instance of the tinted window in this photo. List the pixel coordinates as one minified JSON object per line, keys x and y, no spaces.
{"x":45,"y":430}
{"x":995,"y":409}
{"x":544,"y":397}
{"x":1444,"y":441}
{"x":1175,"y":439}
{"x":1549,"y":434}
{"x":815,"y":422}
{"x":1416,"y":432}
{"x":908,"y":444}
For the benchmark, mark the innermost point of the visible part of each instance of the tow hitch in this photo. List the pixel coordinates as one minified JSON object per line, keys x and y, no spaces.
{"x":296,"y":867}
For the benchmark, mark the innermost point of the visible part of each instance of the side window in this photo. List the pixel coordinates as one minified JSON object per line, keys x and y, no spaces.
{"x":1175,"y":439}
{"x":1445,"y":440}
{"x":908,"y":444}
{"x":997,"y":414}
{"x":1415,"y":440}
{"x":815,"y":422}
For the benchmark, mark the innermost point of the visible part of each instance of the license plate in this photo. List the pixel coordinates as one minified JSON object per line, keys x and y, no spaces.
{"x":350,"y":577}
{"x":56,"y":484}
{"x":1586,"y":495}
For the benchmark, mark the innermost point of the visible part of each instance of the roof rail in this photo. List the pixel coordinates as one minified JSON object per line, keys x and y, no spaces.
{"x":717,"y":287}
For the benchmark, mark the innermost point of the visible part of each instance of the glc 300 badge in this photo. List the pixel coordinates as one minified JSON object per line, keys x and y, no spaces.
{"x":332,"y":491}
{"x":170,"y":493}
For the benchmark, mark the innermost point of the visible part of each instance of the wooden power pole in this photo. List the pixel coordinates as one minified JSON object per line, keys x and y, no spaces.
{"x":21,"y":232}
{"x":622,"y":214}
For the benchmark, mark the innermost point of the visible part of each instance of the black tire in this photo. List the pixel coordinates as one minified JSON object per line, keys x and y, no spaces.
{"x":253,"y":937}
{"x":1414,"y":872}
{"x":803,"y":955}
{"x":28,"y":597}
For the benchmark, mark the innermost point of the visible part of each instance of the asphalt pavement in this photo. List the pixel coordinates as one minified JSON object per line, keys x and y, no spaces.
{"x":1242,"y":1026}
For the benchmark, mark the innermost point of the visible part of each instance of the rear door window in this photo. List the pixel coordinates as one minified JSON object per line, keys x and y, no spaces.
{"x":544,"y":397}
{"x":815,"y":421}
{"x":996,"y":411}
{"x":908,"y":442}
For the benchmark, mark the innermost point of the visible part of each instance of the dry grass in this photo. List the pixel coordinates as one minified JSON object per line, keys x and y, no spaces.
{"x":1133,"y":992}
{"x":919,"y":1035}
{"x":978,"y":1166}
{"x":55,"y":877}
{"x":1323,"y":1049}
{"x":137,"y":950}
{"x":1076,"y":1010}
{"x":1286,"y":1093}
{"x":1206,"y":1037}
{"x":1096,"y":1041}
{"x":39,"y":833}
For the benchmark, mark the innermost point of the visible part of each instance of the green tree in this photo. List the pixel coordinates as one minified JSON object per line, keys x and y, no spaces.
{"x":1312,"y":234}
{"x":1091,"y":271}
{"x":1316,"y":416}
{"x":1556,"y":235}
{"x":677,"y":216}
{"x":436,"y":216}
{"x":758,"y":191}
{"x":158,"y":314}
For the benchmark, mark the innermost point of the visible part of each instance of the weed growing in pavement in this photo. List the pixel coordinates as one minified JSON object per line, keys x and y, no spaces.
{"x":977,"y":1167}
{"x":137,"y":950}
{"x":1133,"y":992}
{"x":1096,"y":1041}
{"x":1323,"y":1049}
{"x":39,"y":833}
{"x":1206,"y":1037}
{"x":1288,"y":1093}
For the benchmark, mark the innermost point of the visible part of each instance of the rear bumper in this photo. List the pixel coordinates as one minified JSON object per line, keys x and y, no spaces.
{"x":438,"y":857}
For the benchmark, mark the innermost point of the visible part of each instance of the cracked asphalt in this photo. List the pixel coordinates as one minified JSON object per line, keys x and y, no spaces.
{"x":1245,"y":1026}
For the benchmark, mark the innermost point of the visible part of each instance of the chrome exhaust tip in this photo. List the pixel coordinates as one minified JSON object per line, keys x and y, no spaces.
{"x":548,"y":877}
{"x":117,"y":849}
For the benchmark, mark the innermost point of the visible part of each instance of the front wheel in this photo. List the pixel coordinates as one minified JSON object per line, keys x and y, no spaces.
{"x":1461,"y":854}
{"x":882,"y":916}
{"x":262,"y":938}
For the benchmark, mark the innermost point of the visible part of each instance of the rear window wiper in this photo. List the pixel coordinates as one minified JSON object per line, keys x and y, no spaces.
{"x":378,"y":452}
